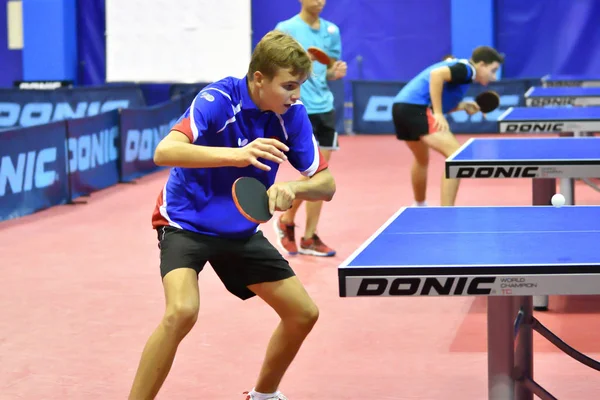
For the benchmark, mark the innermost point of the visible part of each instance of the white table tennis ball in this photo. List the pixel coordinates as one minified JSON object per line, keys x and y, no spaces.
{"x":558,"y":200}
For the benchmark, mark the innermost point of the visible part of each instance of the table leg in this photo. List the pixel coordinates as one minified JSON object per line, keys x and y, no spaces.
{"x":542,"y":190}
{"x":567,"y":185}
{"x":501,"y":355}
{"x":567,"y":189}
{"x":524,"y":351}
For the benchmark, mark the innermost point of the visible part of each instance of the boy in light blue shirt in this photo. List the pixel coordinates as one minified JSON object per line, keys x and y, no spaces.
{"x":311,"y":30}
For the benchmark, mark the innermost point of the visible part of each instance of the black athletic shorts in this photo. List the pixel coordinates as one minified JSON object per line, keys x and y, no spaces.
{"x":411,"y":121}
{"x":237,"y":262}
{"x":324,"y":130}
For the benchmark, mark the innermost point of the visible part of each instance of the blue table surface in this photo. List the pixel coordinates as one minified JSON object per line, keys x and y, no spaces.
{"x":551,"y":77}
{"x":563,"y":91}
{"x":551,"y":114}
{"x":530,"y":149}
{"x":486,"y":236}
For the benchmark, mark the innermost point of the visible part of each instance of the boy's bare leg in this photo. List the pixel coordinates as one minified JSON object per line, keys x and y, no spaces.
{"x":313,"y":208}
{"x":298,"y":315}
{"x":418,"y":172}
{"x":446,"y":144}
{"x":183,"y":302}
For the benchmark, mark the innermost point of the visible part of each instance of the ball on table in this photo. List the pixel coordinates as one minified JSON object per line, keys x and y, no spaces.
{"x":558,"y":200}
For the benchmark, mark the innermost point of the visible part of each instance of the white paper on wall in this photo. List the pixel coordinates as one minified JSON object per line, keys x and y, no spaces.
{"x":183,"y":41}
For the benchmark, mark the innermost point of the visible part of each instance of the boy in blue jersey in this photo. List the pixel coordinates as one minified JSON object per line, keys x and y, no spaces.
{"x":310,"y":30}
{"x":234,"y":128}
{"x":419,"y":108}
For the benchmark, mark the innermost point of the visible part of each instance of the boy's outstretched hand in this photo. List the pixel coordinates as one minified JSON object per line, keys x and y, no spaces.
{"x":267,"y":149}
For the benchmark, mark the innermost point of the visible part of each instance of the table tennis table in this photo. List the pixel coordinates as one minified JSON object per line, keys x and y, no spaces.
{"x":544,"y":160}
{"x":566,"y":121}
{"x":537,"y":96}
{"x":552,"y":80}
{"x":549,"y":120}
{"x":526,"y":157}
{"x":577,"y":121}
{"x":507,"y":254}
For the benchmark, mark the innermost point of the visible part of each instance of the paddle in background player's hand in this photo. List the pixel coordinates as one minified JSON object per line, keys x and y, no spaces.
{"x":487,"y":101}
{"x":338,"y":70}
{"x":470,"y":107}
{"x":319,"y":55}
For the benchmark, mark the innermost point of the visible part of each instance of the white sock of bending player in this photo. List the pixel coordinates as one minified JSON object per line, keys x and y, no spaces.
{"x":263,"y":396}
{"x":420,"y":203}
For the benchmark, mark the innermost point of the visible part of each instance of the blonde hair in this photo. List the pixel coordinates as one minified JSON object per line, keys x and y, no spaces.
{"x":278,"y":50}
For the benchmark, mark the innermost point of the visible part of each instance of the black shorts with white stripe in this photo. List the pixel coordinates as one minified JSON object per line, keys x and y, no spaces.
{"x":324,"y":130}
{"x":237,"y":262}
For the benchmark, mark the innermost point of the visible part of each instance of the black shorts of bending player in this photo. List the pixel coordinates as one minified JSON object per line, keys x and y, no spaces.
{"x":411,"y":121}
{"x":237,"y":262}
{"x":324,"y":130}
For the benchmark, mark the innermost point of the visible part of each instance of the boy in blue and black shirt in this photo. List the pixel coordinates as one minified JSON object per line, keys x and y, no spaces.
{"x":419,"y":108}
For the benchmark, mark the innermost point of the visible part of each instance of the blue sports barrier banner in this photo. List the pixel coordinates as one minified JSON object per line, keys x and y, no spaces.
{"x":141,"y":131}
{"x":51,"y":164}
{"x":33,"y":171}
{"x":372,"y":106}
{"x":93,"y":153}
{"x":24,"y":108}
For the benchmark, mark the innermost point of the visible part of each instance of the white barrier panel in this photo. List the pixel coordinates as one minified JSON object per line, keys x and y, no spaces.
{"x":177,"y":40}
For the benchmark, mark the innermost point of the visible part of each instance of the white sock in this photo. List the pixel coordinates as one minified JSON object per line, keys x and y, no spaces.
{"x":263,"y":396}
{"x":421,"y":203}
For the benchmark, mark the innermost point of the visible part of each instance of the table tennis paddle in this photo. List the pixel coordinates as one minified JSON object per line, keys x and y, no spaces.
{"x":319,"y":55}
{"x":487,"y":101}
{"x":251,"y":199}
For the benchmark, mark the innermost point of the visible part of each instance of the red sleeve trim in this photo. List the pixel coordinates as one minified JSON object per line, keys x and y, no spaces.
{"x":184,"y":127}
{"x":323,"y":164}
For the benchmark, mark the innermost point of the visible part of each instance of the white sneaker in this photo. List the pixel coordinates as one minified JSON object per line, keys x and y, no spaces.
{"x":276,"y":396}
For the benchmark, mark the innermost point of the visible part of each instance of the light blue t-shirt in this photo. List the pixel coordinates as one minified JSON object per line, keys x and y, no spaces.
{"x":417,"y":90}
{"x":315,"y":93}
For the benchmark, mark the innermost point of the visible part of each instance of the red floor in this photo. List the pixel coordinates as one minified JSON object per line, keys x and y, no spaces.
{"x":81,"y":293}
